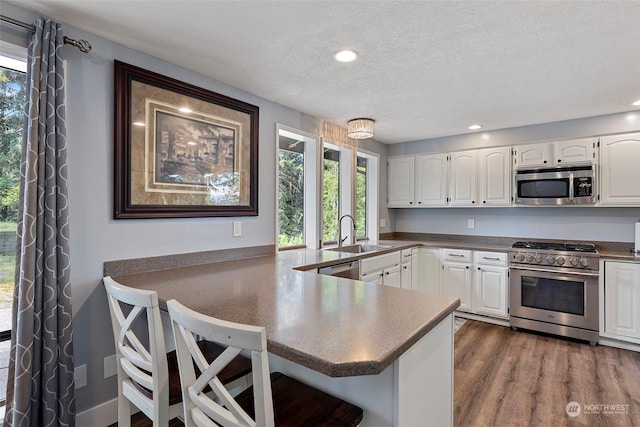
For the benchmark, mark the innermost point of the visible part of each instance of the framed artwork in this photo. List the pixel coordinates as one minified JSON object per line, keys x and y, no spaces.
{"x":180,"y":150}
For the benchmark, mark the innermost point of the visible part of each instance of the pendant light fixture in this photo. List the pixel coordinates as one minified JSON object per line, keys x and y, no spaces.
{"x":360,"y":128}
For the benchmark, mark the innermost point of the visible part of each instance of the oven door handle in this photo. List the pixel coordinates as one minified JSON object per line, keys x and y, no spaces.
{"x":546,"y":270}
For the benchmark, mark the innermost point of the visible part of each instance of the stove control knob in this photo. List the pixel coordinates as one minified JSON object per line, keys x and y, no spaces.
{"x":538,"y":258}
{"x":560,"y":260}
{"x":584,"y":262}
{"x":529,"y":257}
{"x":520,"y":257}
{"x":551,"y":259}
{"x":574,"y":261}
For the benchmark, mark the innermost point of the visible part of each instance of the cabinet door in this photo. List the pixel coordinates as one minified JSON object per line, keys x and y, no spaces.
{"x":622,"y":299}
{"x":490,"y":288}
{"x":431,"y":179}
{"x":392,"y":277}
{"x":574,"y":151}
{"x":400,"y":182}
{"x":426,"y":273}
{"x":532,"y":155}
{"x":619,"y":171}
{"x":405,"y":275}
{"x":456,"y":282}
{"x":463,"y":178}
{"x":494,"y":173}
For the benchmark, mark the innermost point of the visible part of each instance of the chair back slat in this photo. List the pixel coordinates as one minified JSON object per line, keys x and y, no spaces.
{"x":236,"y":337}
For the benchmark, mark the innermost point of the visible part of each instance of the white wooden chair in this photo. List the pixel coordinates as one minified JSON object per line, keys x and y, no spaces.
{"x":292,"y":403}
{"x":147,"y":376}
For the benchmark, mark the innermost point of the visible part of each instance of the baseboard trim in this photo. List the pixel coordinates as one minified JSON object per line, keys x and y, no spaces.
{"x":625,"y":345}
{"x":102,"y":415}
{"x":486,"y":319}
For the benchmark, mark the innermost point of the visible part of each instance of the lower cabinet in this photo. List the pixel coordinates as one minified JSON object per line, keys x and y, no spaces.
{"x":479,"y":279}
{"x":425,"y":270}
{"x":622,"y":300}
{"x":382,"y":269}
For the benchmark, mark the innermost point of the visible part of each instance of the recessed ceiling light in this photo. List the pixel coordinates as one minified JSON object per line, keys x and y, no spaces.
{"x":185,"y":110}
{"x":138,"y":123}
{"x":475,"y":127}
{"x":346,"y":55}
{"x":637,"y":103}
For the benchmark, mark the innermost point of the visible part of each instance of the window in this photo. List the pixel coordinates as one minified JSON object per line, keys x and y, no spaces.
{"x":297,"y":197}
{"x":13,"y":82}
{"x":361,"y":197}
{"x":291,"y":191}
{"x":330,"y":195}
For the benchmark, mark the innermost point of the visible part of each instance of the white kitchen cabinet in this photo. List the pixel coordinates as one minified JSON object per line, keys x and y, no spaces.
{"x":494,"y":176}
{"x":464,"y":178}
{"x":490,"y":284}
{"x":622,"y":300}
{"x":431,"y":179}
{"x":620,"y":170}
{"x":382,"y":269}
{"x":400,"y":188}
{"x":574,"y":151}
{"x":557,"y":153}
{"x":406,"y":265}
{"x":532,"y":155}
{"x":426,"y":271}
{"x":456,"y":276}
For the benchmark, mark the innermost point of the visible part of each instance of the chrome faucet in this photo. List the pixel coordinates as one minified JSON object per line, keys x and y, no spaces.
{"x":353,"y":231}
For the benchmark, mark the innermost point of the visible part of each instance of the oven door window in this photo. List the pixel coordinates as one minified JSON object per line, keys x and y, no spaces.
{"x":555,"y":295}
{"x":557,"y":188}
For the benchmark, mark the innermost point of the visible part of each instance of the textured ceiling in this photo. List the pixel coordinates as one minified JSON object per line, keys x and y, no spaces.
{"x":426,"y":69}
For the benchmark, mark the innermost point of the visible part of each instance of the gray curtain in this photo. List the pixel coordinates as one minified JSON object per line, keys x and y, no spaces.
{"x":40,"y":388}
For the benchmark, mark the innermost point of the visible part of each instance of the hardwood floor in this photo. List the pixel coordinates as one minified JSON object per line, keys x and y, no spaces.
{"x":521,"y":379}
{"x":508,"y":378}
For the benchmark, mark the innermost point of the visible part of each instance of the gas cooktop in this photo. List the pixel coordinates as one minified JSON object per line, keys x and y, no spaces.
{"x":553,"y":246}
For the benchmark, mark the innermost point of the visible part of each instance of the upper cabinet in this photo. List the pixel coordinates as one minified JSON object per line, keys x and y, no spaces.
{"x":620,"y":170}
{"x":550,"y":154}
{"x":494,"y":176}
{"x":431,"y":183}
{"x":400,"y":182}
{"x":464,"y":178}
{"x":418,"y":181}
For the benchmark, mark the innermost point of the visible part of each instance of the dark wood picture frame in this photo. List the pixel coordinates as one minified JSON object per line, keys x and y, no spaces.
{"x":176,"y":162}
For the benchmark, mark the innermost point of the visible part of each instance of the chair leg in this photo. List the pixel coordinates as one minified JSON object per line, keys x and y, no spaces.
{"x":124,"y":411}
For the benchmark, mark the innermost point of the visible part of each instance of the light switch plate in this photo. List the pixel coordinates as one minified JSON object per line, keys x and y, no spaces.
{"x":80,"y":376}
{"x":237,"y":229}
{"x":110,"y":366}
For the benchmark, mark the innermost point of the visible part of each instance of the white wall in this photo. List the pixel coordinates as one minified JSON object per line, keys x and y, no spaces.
{"x":578,"y":223}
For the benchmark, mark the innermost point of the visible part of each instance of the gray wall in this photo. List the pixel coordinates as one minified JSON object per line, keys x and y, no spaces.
{"x":579,"y":223}
{"x":95,"y":236}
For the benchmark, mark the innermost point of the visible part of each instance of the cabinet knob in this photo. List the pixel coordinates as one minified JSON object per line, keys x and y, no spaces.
{"x":473,"y":201}
{"x":559,"y":160}
{"x":410,"y":203}
{"x":544,"y":161}
{"x":419,"y":203}
{"x":484,"y":201}
{"x":478,"y":268}
{"x":467,"y":267}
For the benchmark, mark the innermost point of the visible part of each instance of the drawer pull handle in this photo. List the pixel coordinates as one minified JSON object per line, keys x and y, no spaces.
{"x":458,"y":255}
{"x":491,"y":258}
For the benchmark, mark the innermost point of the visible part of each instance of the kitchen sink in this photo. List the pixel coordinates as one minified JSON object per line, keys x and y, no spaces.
{"x":358,"y":249}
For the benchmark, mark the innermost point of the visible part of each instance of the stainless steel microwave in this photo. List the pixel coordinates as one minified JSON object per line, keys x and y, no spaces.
{"x":556,"y":186}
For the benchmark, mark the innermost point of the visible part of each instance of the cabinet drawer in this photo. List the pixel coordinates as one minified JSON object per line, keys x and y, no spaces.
{"x":379,"y":262}
{"x":490,"y":258}
{"x":459,"y":255}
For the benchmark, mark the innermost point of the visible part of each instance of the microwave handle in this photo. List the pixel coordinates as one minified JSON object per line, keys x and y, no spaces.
{"x":571,"y":187}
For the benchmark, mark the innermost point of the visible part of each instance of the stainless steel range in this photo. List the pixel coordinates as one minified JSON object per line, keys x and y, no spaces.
{"x":553,"y":288}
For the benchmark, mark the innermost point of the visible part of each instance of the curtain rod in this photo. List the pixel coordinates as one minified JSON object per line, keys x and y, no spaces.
{"x":82,"y":45}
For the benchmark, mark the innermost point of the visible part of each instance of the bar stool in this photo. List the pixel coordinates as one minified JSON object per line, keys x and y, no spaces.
{"x":274,"y":399}
{"x":148,"y":377}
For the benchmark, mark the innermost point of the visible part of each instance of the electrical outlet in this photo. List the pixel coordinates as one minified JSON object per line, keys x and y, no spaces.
{"x":110,"y":366}
{"x":80,"y":376}
{"x":471,"y":223}
{"x":383,"y":223}
{"x":237,"y":229}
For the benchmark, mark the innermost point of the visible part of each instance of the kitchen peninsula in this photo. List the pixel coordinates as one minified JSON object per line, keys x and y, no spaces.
{"x":388,"y":350}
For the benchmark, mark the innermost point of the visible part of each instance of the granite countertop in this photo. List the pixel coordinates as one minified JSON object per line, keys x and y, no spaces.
{"x":339,"y":327}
